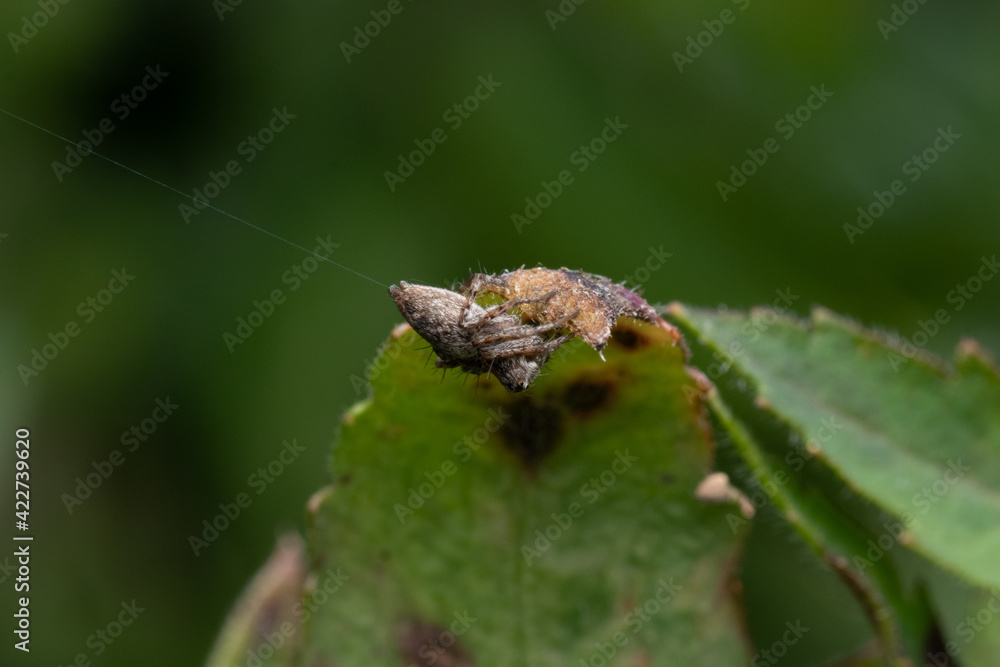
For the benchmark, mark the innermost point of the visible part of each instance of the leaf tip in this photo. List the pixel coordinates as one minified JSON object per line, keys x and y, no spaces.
{"x":400,"y":330}
{"x":716,"y":488}
{"x":971,"y":353}
{"x":316,"y":499}
{"x":675,"y":309}
{"x":265,"y":605}
{"x":356,"y":410}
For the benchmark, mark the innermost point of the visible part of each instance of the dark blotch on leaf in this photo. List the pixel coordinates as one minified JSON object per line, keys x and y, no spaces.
{"x":934,"y":644}
{"x":532,"y":431}
{"x":628,"y":338}
{"x":425,"y":644}
{"x":584,"y":396}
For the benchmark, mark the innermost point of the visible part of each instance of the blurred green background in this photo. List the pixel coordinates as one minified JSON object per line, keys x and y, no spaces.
{"x":323,"y":175}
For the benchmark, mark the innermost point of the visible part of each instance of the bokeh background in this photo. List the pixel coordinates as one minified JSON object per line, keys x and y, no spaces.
{"x":655,"y":187}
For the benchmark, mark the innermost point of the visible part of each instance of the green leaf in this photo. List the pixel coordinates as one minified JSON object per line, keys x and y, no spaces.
{"x":265,"y":624}
{"x":544,"y":528}
{"x":919,"y":440}
{"x":824,"y":516}
{"x":968,"y":620}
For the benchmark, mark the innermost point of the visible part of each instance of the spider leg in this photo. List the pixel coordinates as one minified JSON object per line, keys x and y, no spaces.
{"x":475,"y":283}
{"x":526,"y":347}
{"x":500,"y":335}
{"x":558,"y":324}
{"x":505,"y":307}
{"x":518,"y":331}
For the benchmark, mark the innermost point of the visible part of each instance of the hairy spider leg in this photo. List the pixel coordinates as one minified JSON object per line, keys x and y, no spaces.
{"x":475,"y":284}
{"x":524,"y":331}
{"x":506,"y":306}
{"x":521,"y":347}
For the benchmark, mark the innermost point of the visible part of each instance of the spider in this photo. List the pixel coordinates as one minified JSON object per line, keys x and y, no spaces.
{"x":481,"y":340}
{"x":587,"y":304}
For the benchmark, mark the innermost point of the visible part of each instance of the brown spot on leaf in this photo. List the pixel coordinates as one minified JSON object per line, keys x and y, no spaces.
{"x":643,"y":658}
{"x":629,"y":338}
{"x":425,"y":644}
{"x":585,"y":395}
{"x":935,"y":645}
{"x":532,"y":431}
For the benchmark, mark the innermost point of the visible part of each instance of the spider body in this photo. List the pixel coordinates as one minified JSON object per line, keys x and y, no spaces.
{"x":591,"y":303}
{"x":478,"y":340}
